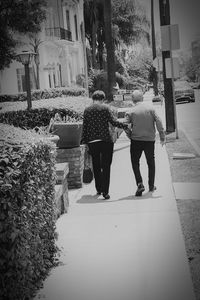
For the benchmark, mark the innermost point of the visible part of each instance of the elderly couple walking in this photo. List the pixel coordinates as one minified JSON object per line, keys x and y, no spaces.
{"x":140,"y":125}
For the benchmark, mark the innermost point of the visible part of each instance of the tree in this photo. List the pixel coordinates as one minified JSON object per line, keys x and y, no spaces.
{"x":35,"y":43}
{"x":129,"y":23}
{"x":130,"y":18}
{"x":139,"y":62}
{"x":18,"y":16}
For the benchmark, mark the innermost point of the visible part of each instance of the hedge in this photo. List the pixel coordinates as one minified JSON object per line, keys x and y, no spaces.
{"x":35,"y":117}
{"x":27,"y":212}
{"x":45,"y":94}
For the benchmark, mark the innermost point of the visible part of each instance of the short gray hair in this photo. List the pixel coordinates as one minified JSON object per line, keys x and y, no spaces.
{"x":137,"y":96}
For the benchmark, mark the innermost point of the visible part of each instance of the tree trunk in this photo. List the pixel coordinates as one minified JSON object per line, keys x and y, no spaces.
{"x":94,"y":38}
{"x":100,"y":49}
{"x":110,"y":49}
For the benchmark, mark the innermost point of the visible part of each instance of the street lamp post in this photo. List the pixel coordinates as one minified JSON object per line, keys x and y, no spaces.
{"x":25,"y":58}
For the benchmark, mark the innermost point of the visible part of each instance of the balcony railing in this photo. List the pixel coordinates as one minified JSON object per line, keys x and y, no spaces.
{"x":59,"y":33}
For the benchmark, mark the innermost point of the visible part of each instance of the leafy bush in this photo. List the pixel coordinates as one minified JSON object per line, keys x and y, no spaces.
{"x":45,"y":94}
{"x":98,"y":80}
{"x":77,"y":104}
{"x":27,"y":212}
{"x":35,"y":117}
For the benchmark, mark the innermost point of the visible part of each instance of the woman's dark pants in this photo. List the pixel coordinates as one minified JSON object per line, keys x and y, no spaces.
{"x":136,"y":149}
{"x":102,"y":153}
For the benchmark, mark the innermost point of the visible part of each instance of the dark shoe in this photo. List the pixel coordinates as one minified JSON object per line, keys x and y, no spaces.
{"x":140,"y":189}
{"x":152,"y":189}
{"x":106,"y":196}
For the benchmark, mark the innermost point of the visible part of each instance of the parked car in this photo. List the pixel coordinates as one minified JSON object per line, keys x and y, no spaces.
{"x":158,"y":98}
{"x":196,"y":85}
{"x":183,"y":91}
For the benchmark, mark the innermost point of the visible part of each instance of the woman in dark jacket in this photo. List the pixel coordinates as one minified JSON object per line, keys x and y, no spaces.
{"x":96,"y":135}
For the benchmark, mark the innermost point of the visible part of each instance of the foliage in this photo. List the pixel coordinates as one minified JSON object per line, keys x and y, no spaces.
{"x":63,"y":119}
{"x":27,"y":218}
{"x":18,"y":16}
{"x":139,"y":62}
{"x":192,"y":69}
{"x":120,"y":65}
{"x":131,"y":21}
{"x":97,"y":80}
{"x":44,"y":94}
{"x":36,"y":117}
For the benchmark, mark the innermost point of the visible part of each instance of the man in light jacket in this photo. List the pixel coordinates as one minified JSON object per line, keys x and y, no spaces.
{"x":143,"y":121}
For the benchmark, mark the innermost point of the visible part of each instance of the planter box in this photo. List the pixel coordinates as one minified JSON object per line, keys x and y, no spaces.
{"x":69,"y":134}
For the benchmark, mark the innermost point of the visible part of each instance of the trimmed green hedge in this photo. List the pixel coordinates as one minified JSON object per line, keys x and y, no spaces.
{"x":45,"y":94}
{"x":27,"y":212}
{"x":35,"y":117}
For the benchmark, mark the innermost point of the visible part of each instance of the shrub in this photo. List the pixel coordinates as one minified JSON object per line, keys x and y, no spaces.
{"x":44,"y":94}
{"x":27,"y":218}
{"x":35,"y":117}
{"x":98,"y":80}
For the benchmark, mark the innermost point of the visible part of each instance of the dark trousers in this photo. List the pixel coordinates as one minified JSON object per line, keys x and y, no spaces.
{"x":136,"y":149}
{"x":102,"y":153}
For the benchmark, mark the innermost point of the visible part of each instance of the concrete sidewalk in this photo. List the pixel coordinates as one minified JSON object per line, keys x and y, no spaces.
{"x":124,"y":248}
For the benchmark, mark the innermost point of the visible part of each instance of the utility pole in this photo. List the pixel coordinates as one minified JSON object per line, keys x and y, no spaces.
{"x":153,"y":39}
{"x":164,"y":8}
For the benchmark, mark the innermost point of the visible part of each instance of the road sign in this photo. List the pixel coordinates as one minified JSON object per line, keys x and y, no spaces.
{"x":157,"y":63}
{"x":118,"y":97}
{"x":176,"y":69}
{"x":170,"y":37}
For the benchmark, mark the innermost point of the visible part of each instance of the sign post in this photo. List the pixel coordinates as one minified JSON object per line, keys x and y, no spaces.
{"x":170,"y":41}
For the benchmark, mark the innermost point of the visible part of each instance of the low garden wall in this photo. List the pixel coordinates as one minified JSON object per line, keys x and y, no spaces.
{"x":75,"y":159}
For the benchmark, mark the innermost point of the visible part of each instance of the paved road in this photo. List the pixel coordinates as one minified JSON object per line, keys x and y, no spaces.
{"x":188,"y":118}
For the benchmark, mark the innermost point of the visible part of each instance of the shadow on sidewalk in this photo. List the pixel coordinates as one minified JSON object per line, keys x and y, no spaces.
{"x":93,"y":199}
{"x":121,"y":148}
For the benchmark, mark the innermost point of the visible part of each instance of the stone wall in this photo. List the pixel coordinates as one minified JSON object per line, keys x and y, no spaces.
{"x":61,"y":188}
{"x":75,"y":159}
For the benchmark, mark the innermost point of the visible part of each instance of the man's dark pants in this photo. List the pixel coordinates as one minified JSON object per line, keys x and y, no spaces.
{"x":136,"y":149}
{"x":102,"y":153}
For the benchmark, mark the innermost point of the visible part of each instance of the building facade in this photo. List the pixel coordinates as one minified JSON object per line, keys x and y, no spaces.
{"x":60,"y":48}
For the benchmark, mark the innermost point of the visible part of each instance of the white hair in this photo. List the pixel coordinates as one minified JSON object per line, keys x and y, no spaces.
{"x":137,"y":96}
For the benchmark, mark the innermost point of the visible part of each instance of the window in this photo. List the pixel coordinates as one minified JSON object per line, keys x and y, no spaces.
{"x":49,"y":75}
{"x":76,"y":26}
{"x":54,"y":79}
{"x":21,"y":81}
{"x":68,"y":20}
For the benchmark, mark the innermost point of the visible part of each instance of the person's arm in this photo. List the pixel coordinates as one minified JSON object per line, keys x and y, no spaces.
{"x":159,"y":127}
{"x":114,"y":122}
{"x":128,"y":121}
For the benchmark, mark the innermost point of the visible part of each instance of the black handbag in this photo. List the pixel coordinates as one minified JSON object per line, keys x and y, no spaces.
{"x":87,"y":175}
{"x":87,"y":171}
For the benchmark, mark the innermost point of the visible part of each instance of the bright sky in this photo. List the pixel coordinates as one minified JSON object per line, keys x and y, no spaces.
{"x":185,"y":13}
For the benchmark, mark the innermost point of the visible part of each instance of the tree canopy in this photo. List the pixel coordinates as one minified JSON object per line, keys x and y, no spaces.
{"x":18,"y":16}
{"x":129,"y":24}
